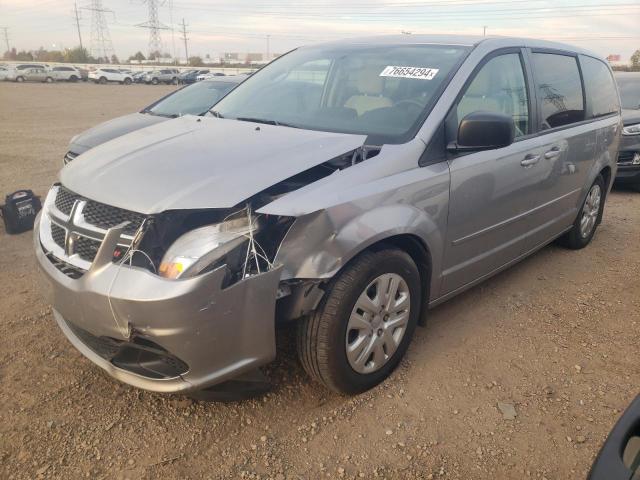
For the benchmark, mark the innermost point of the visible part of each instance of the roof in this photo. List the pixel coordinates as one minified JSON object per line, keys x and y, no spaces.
{"x":227,"y":78}
{"x":464,"y":40}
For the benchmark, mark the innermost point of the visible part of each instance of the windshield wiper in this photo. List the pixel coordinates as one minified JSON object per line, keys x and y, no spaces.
{"x":266,"y":121}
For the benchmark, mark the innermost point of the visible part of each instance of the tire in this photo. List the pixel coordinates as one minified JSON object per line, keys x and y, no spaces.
{"x":73,"y":79}
{"x":49,"y":80}
{"x":579,"y":237}
{"x":19,"y":79}
{"x":324,"y":336}
{"x":127,"y":81}
{"x":154,"y":81}
{"x":102,"y":80}
{"x":174,"y":81}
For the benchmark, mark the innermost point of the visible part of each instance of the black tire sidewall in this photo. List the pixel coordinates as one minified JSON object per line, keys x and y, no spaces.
{"x":387,"y":261}
{"x":576,"y":239}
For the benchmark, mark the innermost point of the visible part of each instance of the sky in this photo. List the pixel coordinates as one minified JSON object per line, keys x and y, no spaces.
{"x":214,"y":26}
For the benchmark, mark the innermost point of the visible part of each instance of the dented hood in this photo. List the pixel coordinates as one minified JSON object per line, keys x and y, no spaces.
{"x":198,"y":162}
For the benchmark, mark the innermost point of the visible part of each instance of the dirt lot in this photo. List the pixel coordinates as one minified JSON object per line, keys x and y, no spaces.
{"x":556,"y":337}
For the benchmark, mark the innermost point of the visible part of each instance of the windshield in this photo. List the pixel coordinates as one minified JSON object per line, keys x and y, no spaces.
{"x":629,"y":91}
{"x":379,"y":91}
{"x":195,"y":99}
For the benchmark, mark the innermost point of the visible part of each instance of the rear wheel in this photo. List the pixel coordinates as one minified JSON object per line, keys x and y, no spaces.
{"x":588,"y":219}
{"x":174,"y":81}
{"x":127,"y":81}
{"x":364,"y":324}
{"x":73,"y":79}
{"x":19,"y":79}
{"x":49,"y":80}
{"x":154,"y":81}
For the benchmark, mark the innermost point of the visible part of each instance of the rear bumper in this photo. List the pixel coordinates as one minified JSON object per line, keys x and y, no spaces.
{"x":198,"y":333}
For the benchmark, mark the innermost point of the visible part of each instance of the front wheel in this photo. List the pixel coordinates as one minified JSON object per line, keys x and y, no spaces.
{"x":154,"y":81}
{"x":102,"y":80}
{"x":49,"y":80}
{"x":174,"y":81}
{"x":127,"y":81}
{"x":588,"y":219}
{"x":19,"y":79}
{"x":73,"y":79}
{"x":364,"y":324}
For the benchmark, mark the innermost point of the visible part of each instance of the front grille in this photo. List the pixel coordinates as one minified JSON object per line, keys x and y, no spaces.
{"x":87,"y":248}
{"x":66,"y":268}
{"x":626,"y":157}
{"x":106,"y":217}
{"x":65,"y":200}
{"x":58,"y":234}
{"x":69,"y":156}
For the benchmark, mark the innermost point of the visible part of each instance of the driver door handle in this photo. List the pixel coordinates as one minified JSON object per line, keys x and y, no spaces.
{"x":530,"y":160}
{"x":553,"y":153}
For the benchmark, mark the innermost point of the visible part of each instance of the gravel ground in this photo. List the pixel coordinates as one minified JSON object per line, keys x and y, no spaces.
{"x":521,"y":377}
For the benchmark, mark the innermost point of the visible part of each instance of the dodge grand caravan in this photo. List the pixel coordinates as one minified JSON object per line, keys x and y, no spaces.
{"x":347,"y":187}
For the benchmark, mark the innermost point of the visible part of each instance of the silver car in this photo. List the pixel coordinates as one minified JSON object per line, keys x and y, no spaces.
{"x":189,"y":100}
{"x":32,"y":74}
{"x":347,"y":187}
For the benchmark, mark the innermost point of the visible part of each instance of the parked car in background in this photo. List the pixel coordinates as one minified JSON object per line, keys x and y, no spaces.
{"x":191,"y":76}
{"x":629,"y":154}
{"x":168,"y":76}
{"x":138,"y":77}
{"x":347,"y":187}
{"x":207,"y":76}
{"x":32,"y":74}
{"x":4,"y":71}
{"x":194,"y":99}
{"x":66,"y":73}
{"x":106,"y":75}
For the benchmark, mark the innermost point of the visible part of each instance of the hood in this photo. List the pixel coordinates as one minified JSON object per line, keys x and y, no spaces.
{"x":198,"y":162}
{"x":111,"y":129}
{"x":630,"y":117}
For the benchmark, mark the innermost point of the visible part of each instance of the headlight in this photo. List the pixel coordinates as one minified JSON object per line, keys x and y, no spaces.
{"x":197,"y":249}
{"x":631,"y":129}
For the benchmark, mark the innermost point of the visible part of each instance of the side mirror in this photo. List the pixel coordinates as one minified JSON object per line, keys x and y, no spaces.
{"x":483,"y":131}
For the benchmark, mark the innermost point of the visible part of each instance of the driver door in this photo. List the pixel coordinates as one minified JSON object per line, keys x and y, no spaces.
{"x":492,"y":191}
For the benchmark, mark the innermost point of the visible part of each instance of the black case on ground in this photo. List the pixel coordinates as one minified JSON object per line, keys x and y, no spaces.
{"x":20,"y":210}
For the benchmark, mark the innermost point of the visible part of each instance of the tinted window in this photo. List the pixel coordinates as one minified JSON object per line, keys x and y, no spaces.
{"x":602,"y":97}
{"x":380,"y":91}
{"x":559,"y":89}
{"x":499,"y":87}
{"x":195,"y":99}
{"x":629,"y":86}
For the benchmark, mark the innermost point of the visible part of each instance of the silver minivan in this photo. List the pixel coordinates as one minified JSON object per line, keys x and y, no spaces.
{"x":347,"y":187}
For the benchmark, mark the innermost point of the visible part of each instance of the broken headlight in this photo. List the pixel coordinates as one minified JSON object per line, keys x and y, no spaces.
{"x":197,"y":249}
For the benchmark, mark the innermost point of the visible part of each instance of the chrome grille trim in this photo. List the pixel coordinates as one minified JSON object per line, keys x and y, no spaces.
{"x":66,"y":233}
{"x":69,"y":156}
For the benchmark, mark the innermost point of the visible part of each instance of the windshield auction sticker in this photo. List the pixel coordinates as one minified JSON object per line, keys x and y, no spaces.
{"x":421,"y":73}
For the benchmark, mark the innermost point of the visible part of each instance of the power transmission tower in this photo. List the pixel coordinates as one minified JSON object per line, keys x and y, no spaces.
{"x":184,"y":37}
{"x":6,"y":37}
{"x":101,"y":46}
{"x":154,"y":26}
{"x":75,"y":7}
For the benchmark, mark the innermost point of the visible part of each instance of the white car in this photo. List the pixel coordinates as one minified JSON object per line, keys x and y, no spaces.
{"x":4,"y":71}
{"x":104,"y":75}
{"x":68,"y":73}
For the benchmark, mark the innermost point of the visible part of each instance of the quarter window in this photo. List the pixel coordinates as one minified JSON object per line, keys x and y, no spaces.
{"x":499,"y":87}
{"x":602,"y":98}
{"x":559,"y":89}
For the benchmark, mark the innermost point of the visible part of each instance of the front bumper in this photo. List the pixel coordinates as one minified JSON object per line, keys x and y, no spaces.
{"x":214,"y":334}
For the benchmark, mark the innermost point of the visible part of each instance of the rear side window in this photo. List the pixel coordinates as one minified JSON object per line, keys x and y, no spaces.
{"x":559,"y":89}
{"x":602,"y":98}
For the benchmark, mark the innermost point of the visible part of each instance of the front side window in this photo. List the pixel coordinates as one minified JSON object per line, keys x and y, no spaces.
{"x":195,"y":99}
{"x":602,"y":98}
{"x":629,"y":86}
{"x":499,"y":87}
{"x":378,"y":91}
{"x":559,"y":89}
